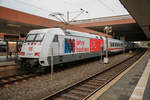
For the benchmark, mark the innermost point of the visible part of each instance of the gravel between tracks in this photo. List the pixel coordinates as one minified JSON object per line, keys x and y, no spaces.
{"x":39,"y":87}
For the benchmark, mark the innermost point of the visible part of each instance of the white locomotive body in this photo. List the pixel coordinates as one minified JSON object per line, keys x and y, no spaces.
{"x":67,"y":46}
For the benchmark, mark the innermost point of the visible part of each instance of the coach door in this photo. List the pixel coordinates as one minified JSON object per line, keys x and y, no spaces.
{"x":55,"y":45}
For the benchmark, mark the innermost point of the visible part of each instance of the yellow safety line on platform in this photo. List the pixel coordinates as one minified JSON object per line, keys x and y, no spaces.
{"x":106,"y":87}
{"x":140,"y":87}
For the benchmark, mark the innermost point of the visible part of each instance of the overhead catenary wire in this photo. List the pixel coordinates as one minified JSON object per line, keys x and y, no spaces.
{"x":34,"y":7}
{"x":82,"y":11}
{"x":106,"y":6}
{"x":29,"y":4}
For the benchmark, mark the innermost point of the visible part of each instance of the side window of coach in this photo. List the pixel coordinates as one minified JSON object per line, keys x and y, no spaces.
{"x":55,"y":38}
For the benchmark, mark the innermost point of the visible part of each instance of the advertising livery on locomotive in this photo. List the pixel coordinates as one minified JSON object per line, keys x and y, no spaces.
{"x":67,"y":45}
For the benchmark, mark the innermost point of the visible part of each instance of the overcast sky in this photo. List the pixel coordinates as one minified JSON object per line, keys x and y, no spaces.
{"x":95,"y":8}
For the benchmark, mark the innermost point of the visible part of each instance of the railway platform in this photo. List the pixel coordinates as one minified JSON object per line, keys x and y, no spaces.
{"x":4,"y":59}
{"x":4,"y":62}
{"x":133,"y":84}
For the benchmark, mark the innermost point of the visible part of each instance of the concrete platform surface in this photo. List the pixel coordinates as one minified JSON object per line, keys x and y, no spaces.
{"x":123,"y":89}
{"x":147,"y":91}
{"x":4,"y":59}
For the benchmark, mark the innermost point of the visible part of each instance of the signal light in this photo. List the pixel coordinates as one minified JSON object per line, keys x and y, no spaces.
{"x":22,"y":53}
{"x":37,"y":54}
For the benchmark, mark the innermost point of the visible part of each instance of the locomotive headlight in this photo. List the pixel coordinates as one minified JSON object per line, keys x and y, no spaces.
{"x":37,"y":54}
{"x":22,"y":53}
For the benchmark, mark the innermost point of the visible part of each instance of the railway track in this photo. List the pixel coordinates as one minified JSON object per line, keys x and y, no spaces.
{"x":8,"y":70}
{"x":8,"y":65}
{"x":4,"y":68}
{"x":15,"y":78}
{"x":85,"y":88}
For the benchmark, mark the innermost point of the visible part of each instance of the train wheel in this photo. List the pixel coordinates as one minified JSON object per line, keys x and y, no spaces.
{"x":23,"y":66}
{"x":34,"y":68}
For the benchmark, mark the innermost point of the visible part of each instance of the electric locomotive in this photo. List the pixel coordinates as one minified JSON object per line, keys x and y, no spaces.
{"x":64,"y":46}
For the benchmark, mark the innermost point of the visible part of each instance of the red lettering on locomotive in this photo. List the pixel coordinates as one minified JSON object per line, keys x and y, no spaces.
{"x":30,"y":48}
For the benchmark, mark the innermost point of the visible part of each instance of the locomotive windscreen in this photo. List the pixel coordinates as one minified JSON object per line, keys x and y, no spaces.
{"x":30,"y":37}
{"x":34,"y":37}
{"x":39,"y":37}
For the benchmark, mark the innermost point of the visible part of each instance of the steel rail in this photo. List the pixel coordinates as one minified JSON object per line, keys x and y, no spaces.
{"x":66,"y":90}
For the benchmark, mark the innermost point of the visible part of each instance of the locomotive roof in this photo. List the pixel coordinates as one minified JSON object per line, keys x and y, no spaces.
{"x":45,"y":30}
{"x":115,"y":40}
{"x":60,"y":31}
{"x":68,"y":32}
{"x":82,"y":34}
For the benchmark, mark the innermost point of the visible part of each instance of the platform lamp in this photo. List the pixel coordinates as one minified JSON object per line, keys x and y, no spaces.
{"x":107,"y":30}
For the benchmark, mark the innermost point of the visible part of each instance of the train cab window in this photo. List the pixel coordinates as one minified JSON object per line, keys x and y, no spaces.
{"x":121,"y":44}
{"x":39,"y":37}
{"x":55,"y":38}
{"x":30,"y":37}
{"x":113,"y":44}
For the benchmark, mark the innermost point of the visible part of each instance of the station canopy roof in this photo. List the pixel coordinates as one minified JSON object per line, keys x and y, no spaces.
{"x":140,"y":11}
{"x":16,"y":22}
{"x":134,"y":28}
{"x":122,"y":26}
